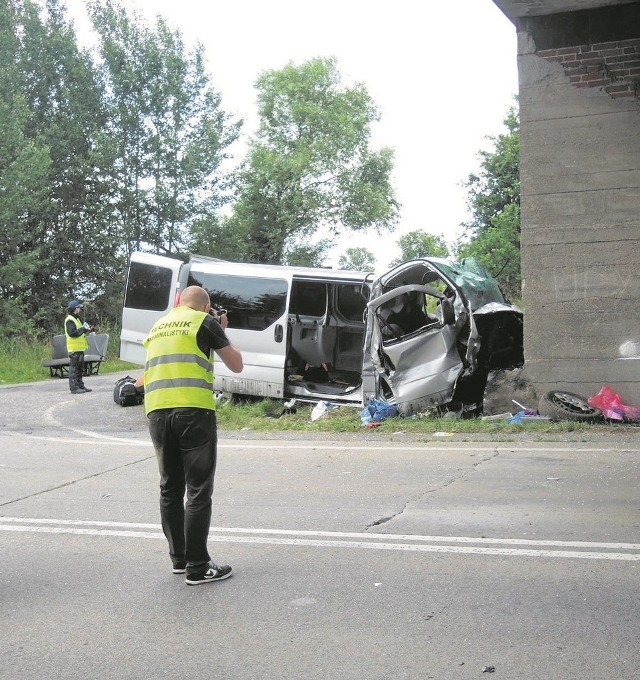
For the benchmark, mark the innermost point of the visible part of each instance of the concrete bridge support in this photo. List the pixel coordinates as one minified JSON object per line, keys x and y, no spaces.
{"x":579,"y":72}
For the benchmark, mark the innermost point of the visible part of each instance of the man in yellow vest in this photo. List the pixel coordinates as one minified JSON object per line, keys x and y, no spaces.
{"x":180,"y":404}
{"x":76,"y":332}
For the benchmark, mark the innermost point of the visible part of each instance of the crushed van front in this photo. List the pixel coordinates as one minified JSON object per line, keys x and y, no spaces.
{"x":434,"y":330}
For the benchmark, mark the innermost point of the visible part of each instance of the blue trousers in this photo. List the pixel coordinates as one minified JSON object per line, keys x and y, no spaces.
{"x":185,"y":442}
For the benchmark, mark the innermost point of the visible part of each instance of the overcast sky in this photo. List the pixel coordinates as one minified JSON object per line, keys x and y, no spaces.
{"x":442,"y":73}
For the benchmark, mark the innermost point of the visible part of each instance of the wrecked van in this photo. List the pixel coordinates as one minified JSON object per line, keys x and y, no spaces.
{"x":420,"y":336}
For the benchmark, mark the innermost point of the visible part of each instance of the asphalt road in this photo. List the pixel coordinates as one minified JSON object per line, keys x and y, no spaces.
{"x":358,"y":557}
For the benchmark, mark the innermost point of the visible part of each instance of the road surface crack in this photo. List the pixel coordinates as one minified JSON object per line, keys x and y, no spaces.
{"x":474,"y":467}
{"x":75,"y":481}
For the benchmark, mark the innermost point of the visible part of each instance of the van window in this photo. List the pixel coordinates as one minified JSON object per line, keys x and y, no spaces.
{"x":148,"y":287}
{"x":350,"y":303}
{"x":308,"y":298}
{"x":253,"y":303}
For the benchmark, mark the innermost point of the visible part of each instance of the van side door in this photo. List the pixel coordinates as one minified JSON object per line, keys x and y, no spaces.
{"x":411,"y":340}
{"x":256,"y":299}
{"x":152,"y":284}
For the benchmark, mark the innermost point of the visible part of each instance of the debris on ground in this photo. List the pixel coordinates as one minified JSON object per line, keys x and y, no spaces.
{"x":610,"y":403}
{"x":377,"y":410}
{"x":562,"y":405}
{"x":286,"y":411}
{"x":526,"y":415}
{"x":321,"y":408}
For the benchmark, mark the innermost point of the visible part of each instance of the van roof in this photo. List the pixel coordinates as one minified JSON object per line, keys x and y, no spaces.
{"x":308,"y":273}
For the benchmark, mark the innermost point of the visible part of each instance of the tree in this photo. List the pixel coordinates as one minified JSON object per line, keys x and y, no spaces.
{"x":357,"y":259}
{"x":168,"y":134}
{"x":306,"y":254}
{"x":310,"y":165}
{"x":51,"y":111}
{"x":419,"y":243}
{"x":493,"y":234}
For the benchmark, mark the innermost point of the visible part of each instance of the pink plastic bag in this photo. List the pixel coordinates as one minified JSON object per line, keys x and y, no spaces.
{"x":610,"y":403}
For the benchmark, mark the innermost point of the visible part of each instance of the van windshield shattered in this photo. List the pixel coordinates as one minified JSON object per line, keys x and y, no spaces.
{"x":476,"y":283}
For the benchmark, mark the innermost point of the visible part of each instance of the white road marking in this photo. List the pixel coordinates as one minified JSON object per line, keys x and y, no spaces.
{"x":335,"y":534}
{"x":278,"y":444}
{"x":336,"y":539}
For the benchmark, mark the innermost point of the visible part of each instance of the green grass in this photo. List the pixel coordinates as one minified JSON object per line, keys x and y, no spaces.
{"x":20,"y":360}
{"x":258,"y":416}
{"x":20,"y":363}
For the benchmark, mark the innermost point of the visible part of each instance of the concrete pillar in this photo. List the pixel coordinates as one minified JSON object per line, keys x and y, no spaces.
{"x":580,"y":176}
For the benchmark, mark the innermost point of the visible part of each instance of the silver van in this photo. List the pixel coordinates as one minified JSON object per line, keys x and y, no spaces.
{"x":419,"y":336}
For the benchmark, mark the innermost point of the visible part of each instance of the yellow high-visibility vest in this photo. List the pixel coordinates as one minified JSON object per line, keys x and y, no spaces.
{"x":177,"y":373}
{"x":79,"y":344}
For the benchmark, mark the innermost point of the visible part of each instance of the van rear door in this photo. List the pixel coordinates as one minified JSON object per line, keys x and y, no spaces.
{"x":152,"y":284}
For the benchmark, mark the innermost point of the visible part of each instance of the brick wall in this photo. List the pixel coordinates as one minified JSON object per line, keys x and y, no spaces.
{"x":613,"y":67}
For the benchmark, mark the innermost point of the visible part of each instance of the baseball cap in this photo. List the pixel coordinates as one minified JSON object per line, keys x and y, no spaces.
{"x":73,"y":304}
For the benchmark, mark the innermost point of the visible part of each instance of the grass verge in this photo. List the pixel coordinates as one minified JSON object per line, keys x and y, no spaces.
{"x":20,"y":360}
{"x":20,"y":363}
{"x":270,"y":416}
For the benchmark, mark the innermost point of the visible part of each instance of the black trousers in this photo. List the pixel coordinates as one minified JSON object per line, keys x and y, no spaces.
{"x":76,"y":370}
{"x":185,"y":441}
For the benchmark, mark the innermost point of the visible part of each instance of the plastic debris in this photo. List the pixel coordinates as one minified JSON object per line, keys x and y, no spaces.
{"x":377,"y":411}
{"x":489,"y":669}
{"x":610,"y":403}
{"x":318,"y":411}
{"x":525,"y":415}
{"x":321,"y":408}
{"x":443,"y":434}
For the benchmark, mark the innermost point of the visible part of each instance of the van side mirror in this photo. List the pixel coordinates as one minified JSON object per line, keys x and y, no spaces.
{"x":448,"y":314}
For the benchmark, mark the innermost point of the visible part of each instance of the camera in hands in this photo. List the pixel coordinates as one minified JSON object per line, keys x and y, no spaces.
{"x":217,"y":310}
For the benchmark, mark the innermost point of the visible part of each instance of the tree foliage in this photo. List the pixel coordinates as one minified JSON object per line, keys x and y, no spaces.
{"x":357,"y":259}
{"x":123,"y":147}
{"x":310,"y":165}
{"x":493,"y":234}
{"x":50,"y":111}
{"x":98,"y":156}
{"x":419,"y":243}
{"x":167,"y":134}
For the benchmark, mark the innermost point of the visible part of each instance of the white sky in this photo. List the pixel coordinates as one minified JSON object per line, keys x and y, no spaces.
{"x":443,"y":74}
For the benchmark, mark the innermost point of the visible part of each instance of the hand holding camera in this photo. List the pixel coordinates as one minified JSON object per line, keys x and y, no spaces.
{"x":219,"y":313}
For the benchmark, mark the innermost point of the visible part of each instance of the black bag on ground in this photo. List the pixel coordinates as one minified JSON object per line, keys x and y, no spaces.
{"x":125,"y":392}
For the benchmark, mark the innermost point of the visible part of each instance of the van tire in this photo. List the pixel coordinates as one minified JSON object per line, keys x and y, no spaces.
{"x":561,"y":405}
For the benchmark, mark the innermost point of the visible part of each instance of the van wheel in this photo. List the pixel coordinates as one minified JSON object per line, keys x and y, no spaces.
{"x":559,"y":405}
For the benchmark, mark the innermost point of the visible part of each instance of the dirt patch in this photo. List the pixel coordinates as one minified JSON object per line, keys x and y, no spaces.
{"x":506,"y":386}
